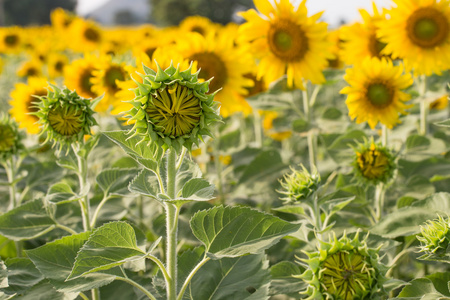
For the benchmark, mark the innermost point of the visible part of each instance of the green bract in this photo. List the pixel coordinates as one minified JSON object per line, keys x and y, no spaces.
{"x":299,"y":185}
{"x":65,"y":117}
{"x":434,"y":238}
{"x":172,"y":109}
{"x":344,"y":269}
{"x":10,"y":138}
{"x":373,"y":163}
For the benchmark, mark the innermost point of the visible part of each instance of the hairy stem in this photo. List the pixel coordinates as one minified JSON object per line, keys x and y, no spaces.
{"x":379,"y":200}
{"x":423,"y":129}
{"x":82,"y":178}
{"x":172,"y":212}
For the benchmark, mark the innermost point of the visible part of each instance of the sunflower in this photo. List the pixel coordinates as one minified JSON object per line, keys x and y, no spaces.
{"x":374,"y":94}
{"x":105,"y":81}
{"x":360,"y":39}
{"x":23,"y":102}
{"x":56,"y":64}
{"x":418,"y":32}
{"x":286,"y":41}
{"x":335,"y":38}
{"x":10,"y":39}
{"x":61,"y":19}
{"x":217,"y":57}
{"x":86,"y":35}
{"x":78,"y":75}
{"x":440,"y":103}
{"x":269,"y":130}
{"x":30,"y":68}
{"x":199,"y":24}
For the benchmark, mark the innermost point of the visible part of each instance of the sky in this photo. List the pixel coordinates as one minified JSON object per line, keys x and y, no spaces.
{"x":335,"y":10}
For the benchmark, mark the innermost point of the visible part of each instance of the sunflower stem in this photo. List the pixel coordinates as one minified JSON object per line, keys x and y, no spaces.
{"x":138,"y":286}
{"x":384,"y":135}
{"x":172,"y":212}
{"x":307,"y":107}
{"x":379,"y":200}
{"x":82,"y":178}
{"x":317,"y":218}
{"x":190,"y":276}
{"x":423,"y":129}
{"x":258,"y":129}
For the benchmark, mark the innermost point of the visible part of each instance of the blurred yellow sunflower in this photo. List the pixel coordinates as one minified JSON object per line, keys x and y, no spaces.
{"x":286,"y":41}
{"x":418,"y":32}
{"x":335,"y":38}
{"x":10,"y":39}
{"x":269,"y":130}
{"x":23,"y":100}
{"x":86,"y":35}
{"x":105,"y":81}
{"x":78,"y":75}
{"x":30,"y":68}
{"x":374,"y":94}
{"x":199,"y":24}
{"x":360,"y":39}
{"x":61,"y":19}
{"x":56,"y":64}
{"x":217,"y":57}
{"x":440,"y":103}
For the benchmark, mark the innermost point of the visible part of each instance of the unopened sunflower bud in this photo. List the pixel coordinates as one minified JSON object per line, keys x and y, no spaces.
{"x":299,"y":185}
{"x":434,"y":238}
{"x":10,"y":138}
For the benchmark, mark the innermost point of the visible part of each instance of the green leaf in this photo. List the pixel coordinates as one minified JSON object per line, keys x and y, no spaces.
{"x":187,"y":171}
{"x":22,"y":275}
{"x":116,"y":181}
{"x":445,"y":123}
{"x":417,"y":142}
{"x":198,"y":189}
{"x":266,"y":165}
{"x":402,"y":222}
{"x":331,"y":113}
{"x":56,"y":259}
{"x":230,"y":140}
{"x":291,"y":209}
{"x":235,"y":231}
{"x":441,"y":281}
{"x":282,"y":281}
{"x":45,"y":291}
{"x":27,"y":221}
{"x":230,"y":278}
{"x":300,"y":125}
{"x":60,"y":193}
{"x":146,"y":155}
{"x":419,"y":147}
{"x":145,"y":183}
{"x":110,"y":245}
{"x":420,"y":289}
{"x":186,"y":263}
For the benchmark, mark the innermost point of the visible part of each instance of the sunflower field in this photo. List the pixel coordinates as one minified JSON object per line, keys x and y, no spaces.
{"x":273,"y":159}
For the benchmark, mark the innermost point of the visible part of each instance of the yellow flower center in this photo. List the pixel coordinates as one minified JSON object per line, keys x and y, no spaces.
{"x":373,"y":163}
{"x":211,"y":66}
{"x":92,"y":35}
{"x":32,"y":71}
{"x":7,"y":138}
{"x":427,"y":27}
{"x":66,"y":121}
{"x":111,"y":75}
{"x":346,"y":276}
{"x":150,"y":51}
{"x":11,"y":40}
{"x":287,"y":40}
{"x":175,"y":110}
{"x":379,"y":94}
{"x":257,"y":87}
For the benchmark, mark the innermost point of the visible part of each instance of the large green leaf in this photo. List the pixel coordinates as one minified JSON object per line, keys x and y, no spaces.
{"x":420,"y":289}
{"x":147,"y":155}
{"x":45,"y":291}
{"x":28,"y":221}
{"x":402,"y":222}
{"x":441,"y":282}
{"x":56,"y":259}
{"x":197,"y":189}
{"x":110,"y":245}
{"x":235,"y":231}
{"x":230,"y":278}
{"x":115,"y":181}
{"x":145,"y":183}
{"x":282,"y":281}
{"x":61,"y":193}
{"x":267,"y":165}
{"x":22,"y":275}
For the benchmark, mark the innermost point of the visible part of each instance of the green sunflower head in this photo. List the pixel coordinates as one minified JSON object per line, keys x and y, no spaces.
{"x":172,"y":109}
{"x":434,"y":239}
{"x":373,"y":163}
{"x":299,"y":185}
{"x":344,"y":269}
{"x":65,"y":117}
{"x":10,"y":138}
